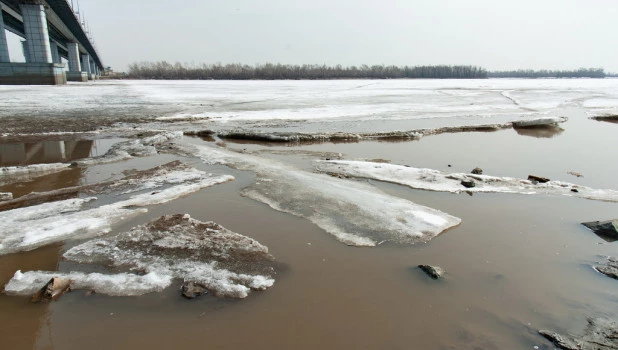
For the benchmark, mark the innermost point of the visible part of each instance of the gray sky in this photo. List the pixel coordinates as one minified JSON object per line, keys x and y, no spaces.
{"x":496,"y":34}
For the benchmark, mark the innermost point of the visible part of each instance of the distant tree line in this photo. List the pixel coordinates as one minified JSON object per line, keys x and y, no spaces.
{"x":269,"y":71}
{"x":579,"y":73}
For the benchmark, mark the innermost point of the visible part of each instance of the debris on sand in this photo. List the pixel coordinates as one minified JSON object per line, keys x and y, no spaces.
{"x":5,"y":196}
{"x":608,"y":230}
{"x":477,"y":171}
{"x":52,"y":290}
{"x":610,"y":269}
{"x":537,"y":179}
{"x":434,"y":272}
{"x":192,"y":290}
{"x":434,"y":180}
{"x":600,"y":334}
{"x":606,"y":118}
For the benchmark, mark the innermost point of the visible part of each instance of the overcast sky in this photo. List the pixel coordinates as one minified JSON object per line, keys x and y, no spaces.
{"x":496,"y":34}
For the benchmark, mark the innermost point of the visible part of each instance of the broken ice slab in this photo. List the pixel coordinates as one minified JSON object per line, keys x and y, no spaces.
{"x":226,"y":263}
{"x":32,"y":227}
{"x":434,"y":180}
{"x":356,"y":214}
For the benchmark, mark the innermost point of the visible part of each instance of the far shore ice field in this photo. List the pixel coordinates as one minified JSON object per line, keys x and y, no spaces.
{"x":304,"y":208}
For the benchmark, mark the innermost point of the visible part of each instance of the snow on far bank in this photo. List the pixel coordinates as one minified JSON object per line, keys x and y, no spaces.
{"x":32,"y":227}
{"x":176,"y":246}
{"x":434,"y":180}
{"x":356,"y":214}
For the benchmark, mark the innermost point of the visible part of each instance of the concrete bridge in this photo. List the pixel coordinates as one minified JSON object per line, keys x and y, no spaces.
{"x":52,"y":31}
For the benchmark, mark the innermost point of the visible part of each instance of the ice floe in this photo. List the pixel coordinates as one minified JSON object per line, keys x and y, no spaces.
{"x":32,"y":227}
{"x":121,"y":284}
{"x":434,"y":180}
{"x":6,"y":196}
{"x":355,"y":213}
{"x":172,"y":247}
{"x":142,"y":147}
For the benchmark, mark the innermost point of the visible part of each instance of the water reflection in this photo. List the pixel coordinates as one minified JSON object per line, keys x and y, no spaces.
{"x":12,"y":154}
{"x":541,"y":132}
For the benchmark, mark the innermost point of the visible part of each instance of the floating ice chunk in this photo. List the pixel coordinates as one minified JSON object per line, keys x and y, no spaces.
{"x":121,"y":284}
{"x":434,"y":180}
{"x":6,"y":196}
{"x":356,"y":214}
{"x":133,"y":148}
{"x":226,"y":263}
{"x":32,"y":227}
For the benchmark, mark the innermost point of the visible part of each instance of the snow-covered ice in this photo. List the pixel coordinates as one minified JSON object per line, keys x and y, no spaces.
{"x":178,"y":246}
{"x":434,"y":180}
{"x":120,"y":284}
{"x":32,"y":227}
{"x":356,"y":214}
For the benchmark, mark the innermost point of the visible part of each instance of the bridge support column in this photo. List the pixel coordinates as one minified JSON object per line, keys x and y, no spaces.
{"x":75,"y":68}
{"x":37,"y":35}
{"x":39,"y":68}
{"x":86,"y":65}
{"x":54,"y":52}
{"x":4,"y":47}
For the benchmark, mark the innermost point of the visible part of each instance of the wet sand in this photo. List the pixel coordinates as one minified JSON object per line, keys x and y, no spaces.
{"x":516,"y":264}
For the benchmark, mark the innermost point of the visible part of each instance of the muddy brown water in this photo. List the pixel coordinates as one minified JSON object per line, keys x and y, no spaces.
{"x":516,"y":264}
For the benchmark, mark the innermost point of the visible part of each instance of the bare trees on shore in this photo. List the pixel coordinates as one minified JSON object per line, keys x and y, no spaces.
{"x":269,"y":71}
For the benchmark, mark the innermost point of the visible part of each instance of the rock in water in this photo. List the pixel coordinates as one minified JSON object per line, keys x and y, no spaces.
{"x":538,"y":179}
{"x":609,"y":270}
{"x":53,"y":290}
{"x":600,"y":334}
{"x":477,"y":171}
{"x":608,"y":230}
{"x":434,"y":272}
{"x":192,"y":290}
{"x":468,"y":183}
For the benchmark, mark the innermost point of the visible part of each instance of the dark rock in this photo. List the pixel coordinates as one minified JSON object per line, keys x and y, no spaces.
{"x":609,"y":270}
{"x":537,"y":179}
{"x":608,"y":230}
{"x":52,"y":290}
{"x":600,"y":334}
{"x":191,"y":290}
{"x":74,"y":165}
{"x":477,"y":171}
{"x":468,"y":183}
{"x":434,"y":272}
{"x":574,"y":190}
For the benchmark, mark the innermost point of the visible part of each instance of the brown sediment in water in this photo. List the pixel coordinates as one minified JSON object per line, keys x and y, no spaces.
{"x":514,"y":261}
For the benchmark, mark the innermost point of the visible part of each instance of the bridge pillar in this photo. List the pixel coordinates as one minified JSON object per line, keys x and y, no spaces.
{"x":37,"y":34}
{"x":54,"y":52}
{"x":25,"y":51}
{"x":75,"y":67}
{"x":4,"y":47}
{"x":86,"y":65}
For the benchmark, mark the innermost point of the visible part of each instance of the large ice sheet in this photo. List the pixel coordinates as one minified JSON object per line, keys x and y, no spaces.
{"x":32,"y":227}
{"x":226,"y":263}
{"x":434,"y":180}
{"x":356,"y":214}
